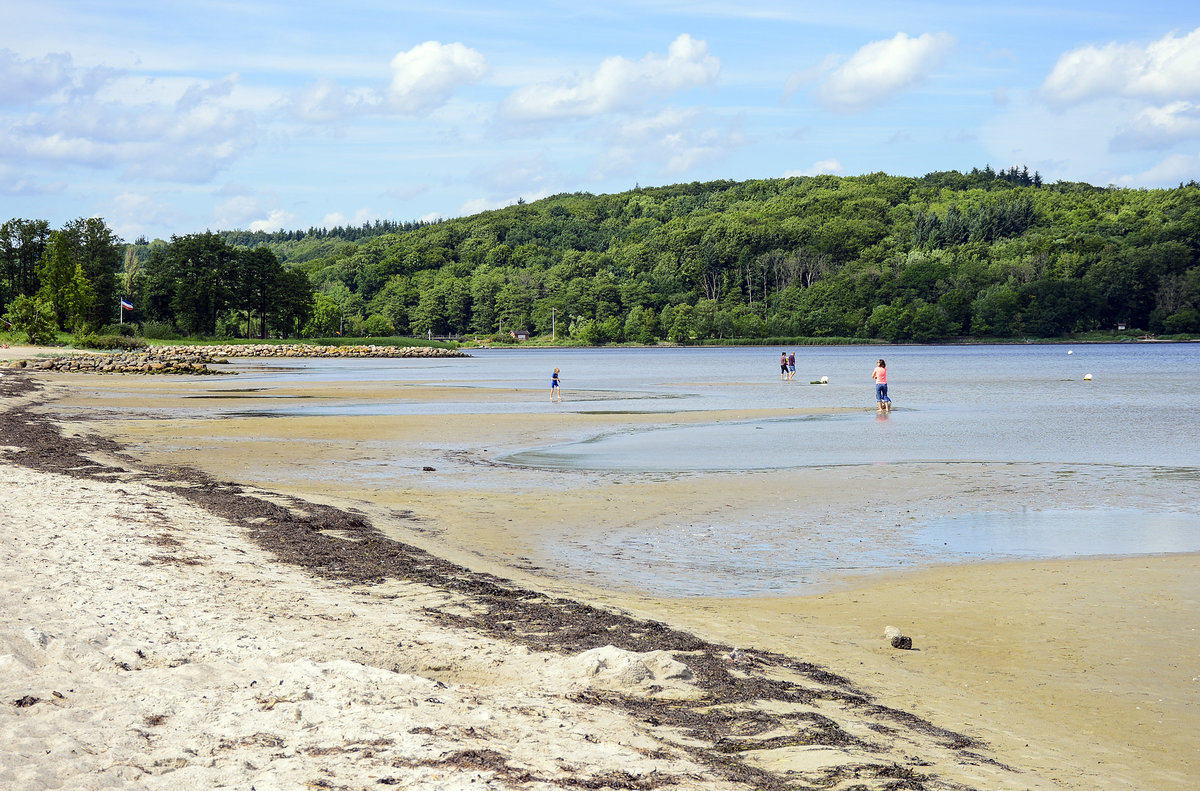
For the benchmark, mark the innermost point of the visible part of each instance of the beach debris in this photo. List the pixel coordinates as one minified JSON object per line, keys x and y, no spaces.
{"x":896,"y":638}
{"x":26,"y":702}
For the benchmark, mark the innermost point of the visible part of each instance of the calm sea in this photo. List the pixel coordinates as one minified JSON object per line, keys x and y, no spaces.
{"x":1099,"y":406}
{"x":972,"y":403}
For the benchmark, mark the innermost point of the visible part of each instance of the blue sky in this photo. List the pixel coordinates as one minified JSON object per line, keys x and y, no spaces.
{"x":173,"y":118}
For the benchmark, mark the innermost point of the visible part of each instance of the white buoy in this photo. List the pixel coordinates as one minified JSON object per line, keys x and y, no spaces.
{"x":1070,"y":352}
{"x":824,"y":380}
{"x":1087,"y":377}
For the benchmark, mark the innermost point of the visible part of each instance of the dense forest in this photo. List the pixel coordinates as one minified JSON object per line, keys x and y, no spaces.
{"x":985,"y":254}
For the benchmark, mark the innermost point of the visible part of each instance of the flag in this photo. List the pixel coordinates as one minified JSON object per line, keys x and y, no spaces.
{"x":126,"y":304}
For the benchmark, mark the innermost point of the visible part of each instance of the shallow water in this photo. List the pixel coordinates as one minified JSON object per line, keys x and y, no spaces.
{"x":954,"y":403}
{"x":781,"y":559}
{"x":995,"y":404}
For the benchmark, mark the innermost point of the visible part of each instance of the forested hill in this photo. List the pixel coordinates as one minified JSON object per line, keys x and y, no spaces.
{"x":300,"y":246}
{"x":877,"y":256}
{"x":982,"y":254}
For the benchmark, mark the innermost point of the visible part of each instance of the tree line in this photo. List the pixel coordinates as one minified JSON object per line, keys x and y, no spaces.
{"x":951,"y":254}
{"x":996,"y":254}
{"x":77,"y":279}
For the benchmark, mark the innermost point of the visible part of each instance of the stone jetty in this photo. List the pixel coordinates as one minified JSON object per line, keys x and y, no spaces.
{"x":308,"y":350}
{"x":197,"y":359}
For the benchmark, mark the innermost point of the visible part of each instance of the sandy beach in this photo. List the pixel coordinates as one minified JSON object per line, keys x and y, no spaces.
{"x":157,"y":607}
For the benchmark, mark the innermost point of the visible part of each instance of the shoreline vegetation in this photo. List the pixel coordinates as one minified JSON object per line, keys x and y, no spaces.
{"x":651,"y":706}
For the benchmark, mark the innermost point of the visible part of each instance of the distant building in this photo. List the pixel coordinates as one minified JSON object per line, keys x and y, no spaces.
{"x":520,"y":335}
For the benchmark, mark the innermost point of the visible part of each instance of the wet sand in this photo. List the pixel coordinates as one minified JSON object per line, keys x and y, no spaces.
{"x":1080,"y":674}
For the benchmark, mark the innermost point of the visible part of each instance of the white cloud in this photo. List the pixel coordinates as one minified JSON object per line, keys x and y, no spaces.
{"x":798,"y":80}
{"x":1171,"y":171}
{"x":235,"y":212}
{"x":521,"y":172}
{"x":1166,"y":69}
{"x":825,"y":166}
{"x":1159,"y":127}
{"x":24,"y":81}
{"x":13,"y":182}
{"x":881,"y":69}
{"x":334,"y":219}
{"x":325,"y":101}
{"x":277,"y":220}
{"x":199,"y":94}
{"x":189,"y":140}
{"x":618,"y":84}
{"x":477,"y":205}
{"x":425,"y":76}
{"x":132,"y":214}
{"x":675,"y":140}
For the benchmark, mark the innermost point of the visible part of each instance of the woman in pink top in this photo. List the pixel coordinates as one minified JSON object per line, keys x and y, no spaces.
{"x":881,"y":395}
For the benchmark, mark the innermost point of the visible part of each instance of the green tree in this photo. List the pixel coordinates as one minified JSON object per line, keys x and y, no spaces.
{"x":22,"y":243}
{"x":891,"y":322}
{"x":325,"y":320}
{"x":65,"y":287}
{"x":995,"y":312}
{"x":395,"y":301}
{"x":192,"y":282}
{"x":682,"y":329}
{"x":100,"y":255}
{"x":928,"y":323}
{"x":293,"y":303}
{"x":33,"y":317}
{"x":258,"y":285}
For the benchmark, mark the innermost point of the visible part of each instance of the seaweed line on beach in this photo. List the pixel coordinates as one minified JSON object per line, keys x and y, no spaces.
{"x":345,"y":546}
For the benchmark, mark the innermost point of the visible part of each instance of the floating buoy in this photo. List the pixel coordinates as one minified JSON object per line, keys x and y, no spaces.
{"x":824,"y":380}
{"x":1087,"y":377}
{"x":1070,"y":352}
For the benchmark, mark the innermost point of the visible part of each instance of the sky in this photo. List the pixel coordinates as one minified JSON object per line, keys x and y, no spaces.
{"x":170,"y":118}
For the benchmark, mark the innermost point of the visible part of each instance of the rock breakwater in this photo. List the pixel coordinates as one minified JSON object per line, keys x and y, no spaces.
{"x":308,"y":350}
{"x":139,"y":362}
{"x":197,"y":359}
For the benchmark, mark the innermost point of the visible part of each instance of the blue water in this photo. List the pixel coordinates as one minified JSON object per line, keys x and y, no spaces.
{"x":954,"y":403}
{"x":995,"y":404}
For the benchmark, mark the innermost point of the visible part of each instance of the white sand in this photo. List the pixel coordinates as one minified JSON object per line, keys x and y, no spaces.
{"x":166,"y":651}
